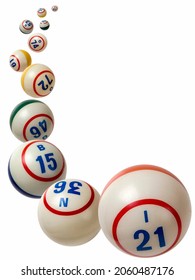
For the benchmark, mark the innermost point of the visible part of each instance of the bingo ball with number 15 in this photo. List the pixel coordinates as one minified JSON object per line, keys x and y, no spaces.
{"x":34,"y":166}
{"x":144,"y":211}
{"x":68,"y":212}
{"x":38,"y":80}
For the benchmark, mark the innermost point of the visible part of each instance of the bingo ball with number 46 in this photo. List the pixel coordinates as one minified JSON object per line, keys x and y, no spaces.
{"x":38,"y":80}
{"x":68,"y":212}
{"x":31,"y":120}
{"x":34,"y":166}
{"x":37,"y":42}
{"x":144,"y":211}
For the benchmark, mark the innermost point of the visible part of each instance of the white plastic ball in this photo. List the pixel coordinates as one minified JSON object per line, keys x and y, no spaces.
{"x":20,"y":60}
{"x":26,"y":26}
{"x":37,"y":42}
{"x":34,"y":166}
{"x":145,"y":211}
{"x":31,"y":120}
{"x":68,"y":212}
{"x":38,"y":80}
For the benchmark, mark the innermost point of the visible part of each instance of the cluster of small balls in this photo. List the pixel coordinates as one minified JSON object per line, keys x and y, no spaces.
{"x":144,"y":210}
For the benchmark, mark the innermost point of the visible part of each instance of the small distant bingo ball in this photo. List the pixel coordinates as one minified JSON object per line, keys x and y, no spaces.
{"x":34,"y":166}
{"x":54,"y":8}
{"x":44,"y":24}
{"x":68,"y":212}
{"x":41,"y":12}
{"x":38,"y":80}
{"x":26,"y":26}
{"x":37,"y":42}
{"x":20,"y":60}
{"x":144,"y":210}
{"x":31,"y":120}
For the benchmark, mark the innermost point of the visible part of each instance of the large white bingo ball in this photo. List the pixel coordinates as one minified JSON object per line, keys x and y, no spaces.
{"x":68,"y":212}
{"x":20,"y":60}
{"x":144,"y":211}
{"x":38,"y":80}
{"x":37,"y":42}
{"x":31,"y":120}
{"x":34,"y":166}
{"x":26,"y":26}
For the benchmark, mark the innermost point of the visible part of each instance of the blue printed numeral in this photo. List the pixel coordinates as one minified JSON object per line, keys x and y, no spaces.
{"x":43,"y":85}
{"x":50,"y":160}
{"x":74,"y":186}
{"x":35,"y":131}
{"x":146,"y":237}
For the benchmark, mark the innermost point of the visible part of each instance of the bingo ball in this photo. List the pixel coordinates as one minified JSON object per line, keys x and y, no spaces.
{"x":20,"y":60}
{"x":26,"y":26}
{"x":41,"y":12}
{"x":44,"y":24}
{"x":31,"y":120}
{"x":68,"y":212}
{"x":37,"y":42}
{"x":54,"y":8}
{"x":144,"y":211}
{"x":37,"y":80}
{"x":34,"y":166}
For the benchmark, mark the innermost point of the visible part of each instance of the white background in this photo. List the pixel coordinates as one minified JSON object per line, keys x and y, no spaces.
{"x":124,"y":95}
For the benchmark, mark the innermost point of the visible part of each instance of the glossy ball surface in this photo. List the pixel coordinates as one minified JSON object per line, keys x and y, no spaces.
{"x":34,"y":166}
{"x":26,"y":26}
{"x":41,"y":12}
{"x":31,"y":120}
{"x":144,"y":211}
{"x":38,"y":80}
{"x":20,"y":60}
{"x":37,"y":42}
{"x":68,"y":212}
{"x":54,"y":8}
{"x":44,"y":24}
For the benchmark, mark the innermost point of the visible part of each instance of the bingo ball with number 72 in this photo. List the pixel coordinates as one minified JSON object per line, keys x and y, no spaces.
{"x":34,"y":166}
{"x":38,"y":80}
{"x":68,"y":212}
{"x":144,"y":211}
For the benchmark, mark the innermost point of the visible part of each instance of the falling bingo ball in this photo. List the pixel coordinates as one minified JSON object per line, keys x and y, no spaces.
{"x":144,"y":211}
{"x":37,"y":80}
{"x":20,"y":60}
{"x":34,"y":166}
{"x":26,"y":26}
{"x":68,"y":212}
{"x":41,"y":12}
{"x":31,"y":120}
{"x":37,"y":42}
{"x":44,"y":24}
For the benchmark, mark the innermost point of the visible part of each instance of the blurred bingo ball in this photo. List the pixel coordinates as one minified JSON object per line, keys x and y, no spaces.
{"x":144,"y":211}
{"x":37,"y":42}
{"x":54,"y":8}
{"x":30,"y":120}
{"x":68,"y":212}
{"x":44,"y":24}
{"x":34,"y":166}
{"x":37,"y":80}
{"x":26,"y":26}
{"x":41,"y":12}
{"x":20,"y":60}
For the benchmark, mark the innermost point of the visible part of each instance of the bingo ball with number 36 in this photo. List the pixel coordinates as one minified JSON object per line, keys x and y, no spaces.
{"x":34,"y":166}
{"x":68,"y":212}
{"x":38,"y":80}
{"x":144,"y":211}
{"x":31,"y":120}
